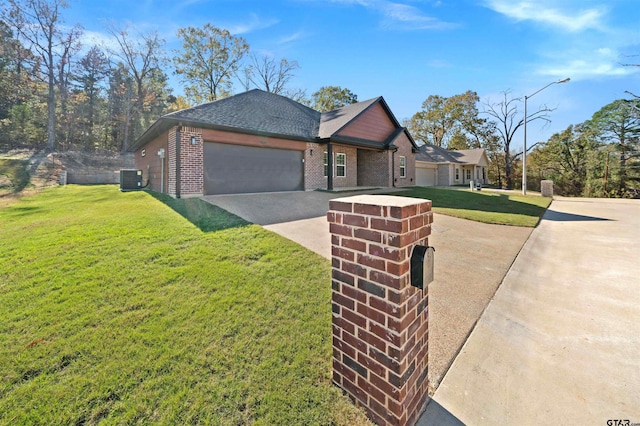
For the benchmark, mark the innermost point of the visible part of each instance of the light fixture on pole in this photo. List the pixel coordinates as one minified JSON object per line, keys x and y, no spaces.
{"x":524,"y":151}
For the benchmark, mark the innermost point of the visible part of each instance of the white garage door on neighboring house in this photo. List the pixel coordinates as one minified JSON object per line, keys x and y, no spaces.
{"x":236,"y":169}
{"x":425,"y":176}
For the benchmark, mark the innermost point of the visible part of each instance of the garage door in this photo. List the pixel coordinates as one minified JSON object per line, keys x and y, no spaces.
{"x":235,"y":169}
{"x":425,"y":177}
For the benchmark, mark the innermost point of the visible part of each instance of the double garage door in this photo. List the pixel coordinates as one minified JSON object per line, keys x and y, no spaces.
{"x":236,"y":169}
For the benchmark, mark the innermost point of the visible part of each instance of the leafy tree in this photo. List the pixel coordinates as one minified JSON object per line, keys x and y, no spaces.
{"x":142,"y":58}
{"x":39,"y":26}
{"x":270,"y":75}
{"x":618,"y":125}
{"x":451,"y":122}
{"x":91,"y":71}
{"x":328,"y":98}
{"x":210,"y":57}
{"x":566,"y":159}
{"x":508,"y":122}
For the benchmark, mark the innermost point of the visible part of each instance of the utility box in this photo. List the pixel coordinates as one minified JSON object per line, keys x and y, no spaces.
{"x":130,"y":180}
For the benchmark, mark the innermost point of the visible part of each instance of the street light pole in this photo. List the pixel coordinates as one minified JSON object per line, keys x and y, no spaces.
{"x":524,"y":151}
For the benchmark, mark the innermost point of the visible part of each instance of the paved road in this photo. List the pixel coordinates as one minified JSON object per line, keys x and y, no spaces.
{"x":560,"y":341}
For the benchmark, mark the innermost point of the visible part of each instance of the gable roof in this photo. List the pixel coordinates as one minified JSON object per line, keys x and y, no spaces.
{"x":267,"y":114}
{"x":332,"y":122}
{"x":469,"y":156}
{"x":436,"y":154}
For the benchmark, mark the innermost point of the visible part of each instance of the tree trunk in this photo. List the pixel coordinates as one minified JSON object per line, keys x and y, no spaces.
{"x":51,"y":106}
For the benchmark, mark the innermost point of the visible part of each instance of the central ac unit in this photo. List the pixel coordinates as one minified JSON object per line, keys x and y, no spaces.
{"x":130,"y":180}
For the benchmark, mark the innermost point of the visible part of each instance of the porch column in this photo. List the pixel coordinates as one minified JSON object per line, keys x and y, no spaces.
{"x":329,"y":167}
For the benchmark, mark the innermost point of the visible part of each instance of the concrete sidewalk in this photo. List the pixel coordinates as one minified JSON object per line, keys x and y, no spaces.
{"x":560,"y":341}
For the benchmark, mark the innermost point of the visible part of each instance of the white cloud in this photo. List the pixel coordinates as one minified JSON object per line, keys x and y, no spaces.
{"x":546,"y":12}
{"x":403,"y":14}
{"x":601,"y":62}
{"x":400,"y":15}
{"x":439,"y":63}
{"x":101,"y":39}
{"x":292,"y":37}
{"x":252,"y":24}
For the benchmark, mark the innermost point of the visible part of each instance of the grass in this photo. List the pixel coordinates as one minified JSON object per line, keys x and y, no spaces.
{"x":484,"y":206}
{"x":115,"y":308}
{"x":16,"y":171}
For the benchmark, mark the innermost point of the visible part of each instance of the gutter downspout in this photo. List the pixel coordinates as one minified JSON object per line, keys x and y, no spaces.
{"x":178,"y":161}
{"x":394,"y":149}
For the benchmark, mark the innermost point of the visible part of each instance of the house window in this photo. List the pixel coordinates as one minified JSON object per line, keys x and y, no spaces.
{"x":457,"y":173}
{"x":468,"y":174}
{"x":326,"y":164}
{"x":341,"y":165}
{"x":403,"y":167}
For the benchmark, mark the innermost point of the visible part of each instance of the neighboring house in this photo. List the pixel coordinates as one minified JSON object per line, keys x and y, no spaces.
{"x":257,"y":141}
{"x":437,"y":166}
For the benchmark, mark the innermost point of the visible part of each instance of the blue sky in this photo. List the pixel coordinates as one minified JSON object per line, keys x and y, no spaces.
{"x":406,"y":50}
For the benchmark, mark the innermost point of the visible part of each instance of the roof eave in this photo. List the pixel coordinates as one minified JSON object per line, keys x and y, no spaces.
{"x":165,"y":123}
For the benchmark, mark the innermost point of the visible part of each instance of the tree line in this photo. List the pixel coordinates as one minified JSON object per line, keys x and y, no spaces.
{"x":597,"y":158}
{"x":57,"y":94}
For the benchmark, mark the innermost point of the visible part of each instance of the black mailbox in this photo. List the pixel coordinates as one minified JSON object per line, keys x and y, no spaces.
{"x":422,"y":266}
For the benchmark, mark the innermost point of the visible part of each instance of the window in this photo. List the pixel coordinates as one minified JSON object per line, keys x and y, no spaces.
{"x":468,"y":174}
{"x":403,"y":167}
{"x":326,"y":164}
{"x":341,"y":165}
{"x":457,"y":173}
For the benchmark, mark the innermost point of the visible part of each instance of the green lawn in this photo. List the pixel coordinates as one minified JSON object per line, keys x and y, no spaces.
{"x":484,"y":206}
{"x":114,"y":307}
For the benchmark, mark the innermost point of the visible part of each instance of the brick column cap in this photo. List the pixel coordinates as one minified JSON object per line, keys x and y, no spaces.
{"x":380,"y":200}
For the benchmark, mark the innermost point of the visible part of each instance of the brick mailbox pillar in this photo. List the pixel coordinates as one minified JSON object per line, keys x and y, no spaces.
{"x":380,"y":322}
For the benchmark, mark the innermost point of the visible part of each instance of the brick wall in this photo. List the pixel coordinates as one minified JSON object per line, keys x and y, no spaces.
{"x":373,"y":168}
{"x":191,"y":163}
{"x":380,"y":322}
{"x":405,"y":149}
{"x":151,"y":163}
{"x":314,"y":167}
{"x":171,"y":162}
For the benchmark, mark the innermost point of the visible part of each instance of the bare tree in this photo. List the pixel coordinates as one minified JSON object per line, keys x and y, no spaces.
{"x":508,"y":122}
{"x":38,"y":24}
{"x":268,"y":74}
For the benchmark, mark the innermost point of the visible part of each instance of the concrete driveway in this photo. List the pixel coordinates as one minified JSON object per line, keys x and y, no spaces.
{"x":560,"y":341}
{"x":471,"y":259}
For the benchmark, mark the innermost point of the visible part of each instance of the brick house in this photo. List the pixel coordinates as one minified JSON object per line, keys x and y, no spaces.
{"x":436,"y":166}
{"x":257,"y":141}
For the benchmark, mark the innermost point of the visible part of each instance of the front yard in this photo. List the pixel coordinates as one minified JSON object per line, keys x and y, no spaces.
{"x":500,"y":208}
{"x":115,"y":307}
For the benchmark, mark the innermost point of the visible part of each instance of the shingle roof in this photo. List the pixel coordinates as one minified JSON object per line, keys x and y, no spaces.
{"x":469,"y":156}
{"x":332,"y":121}
{"x":262,"y":113}
{"x":258,"y":111}
{"x":436,"y":154}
